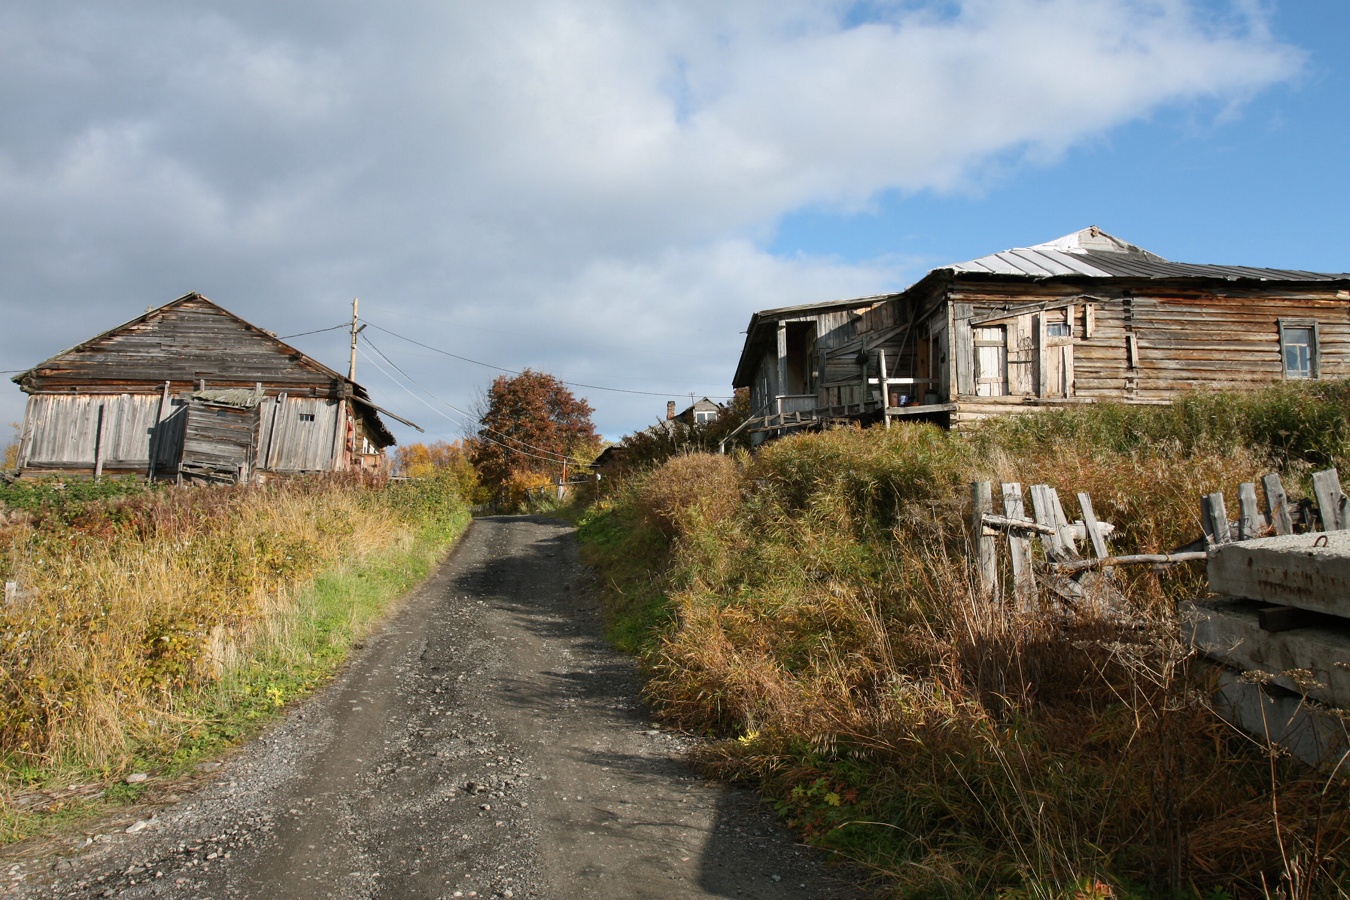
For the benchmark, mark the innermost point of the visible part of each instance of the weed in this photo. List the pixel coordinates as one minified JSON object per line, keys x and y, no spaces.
{"x":811,"y":608}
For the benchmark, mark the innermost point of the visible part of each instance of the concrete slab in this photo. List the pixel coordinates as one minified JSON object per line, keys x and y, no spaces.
{"x":1317,"y":735}
{"x":1227,"y":631}
{"x":1309,"y":571}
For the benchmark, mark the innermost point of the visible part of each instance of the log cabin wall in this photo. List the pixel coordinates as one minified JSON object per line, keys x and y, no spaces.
{"x":1130,"y":340}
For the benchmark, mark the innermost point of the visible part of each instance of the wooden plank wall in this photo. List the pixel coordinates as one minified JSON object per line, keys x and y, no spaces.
{"x":1152,"y":346}
{"x":219,"y":441}
{"x":64,"y":432}
{"x":288,"y":442}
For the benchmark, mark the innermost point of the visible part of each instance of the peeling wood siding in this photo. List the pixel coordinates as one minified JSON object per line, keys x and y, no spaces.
{"x":293,"y":443}
{"x":62,"y":433}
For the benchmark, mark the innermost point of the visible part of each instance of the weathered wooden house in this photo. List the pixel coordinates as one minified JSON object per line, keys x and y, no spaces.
{"x":1084,"y":318}
{"x":190,"y":391}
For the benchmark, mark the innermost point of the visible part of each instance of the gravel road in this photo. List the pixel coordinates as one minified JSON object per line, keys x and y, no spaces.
{"x":485,"y":743}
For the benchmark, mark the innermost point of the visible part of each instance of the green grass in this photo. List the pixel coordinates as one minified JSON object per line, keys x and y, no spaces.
{"x":296,"y":652}
{"x":810,"y":609}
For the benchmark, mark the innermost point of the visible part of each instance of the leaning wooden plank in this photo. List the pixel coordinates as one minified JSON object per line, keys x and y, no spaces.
{"x":1330,"y":499}
{"x":1278,"y":502}
{"x":1019,"y":548}
{"x":1094,"y":532}
{"x":982,"y":503}
{"x":1062,"y":523}
{"x":1040,"y":505}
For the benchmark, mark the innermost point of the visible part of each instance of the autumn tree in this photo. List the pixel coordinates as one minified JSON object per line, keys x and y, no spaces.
{"x":9,"y":455}
{"x":531,"y":432}
{"x":439,"y":459}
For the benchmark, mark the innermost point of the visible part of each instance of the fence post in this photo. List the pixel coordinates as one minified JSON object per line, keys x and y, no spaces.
{"x":1249,"y":520}
{"x":1330,"y":499}
{"x":982,"y":502}
{"x":1278,"y":502}
{"x":1019,"y":548}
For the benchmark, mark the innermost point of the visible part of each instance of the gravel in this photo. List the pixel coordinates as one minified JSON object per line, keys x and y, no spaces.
{"x":485,"y":743}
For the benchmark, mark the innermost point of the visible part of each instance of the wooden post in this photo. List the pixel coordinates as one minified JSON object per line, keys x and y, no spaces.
{"x":885,"y":390}
{"x":1019,"y":548}
{"x":981,"y":502}
{"x":1279,"y":505}
{"x":11,"y":592}
{"x":98,"y":444}
{"x":1330,"y":500}
{"x":1094,"y":531}
{"x":1214,"y":518}
{"x":1249,"y":518}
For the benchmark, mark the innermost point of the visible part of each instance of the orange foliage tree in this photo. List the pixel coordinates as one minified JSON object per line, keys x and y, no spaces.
{"x":439,"y":459}
{"x":532,"y":430}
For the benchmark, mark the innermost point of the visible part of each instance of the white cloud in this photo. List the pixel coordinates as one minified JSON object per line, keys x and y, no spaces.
{"x":589,"y":186}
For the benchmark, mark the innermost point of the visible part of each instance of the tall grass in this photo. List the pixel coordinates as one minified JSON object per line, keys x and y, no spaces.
{"x":814,"y":614}
{"x":151,"y":627}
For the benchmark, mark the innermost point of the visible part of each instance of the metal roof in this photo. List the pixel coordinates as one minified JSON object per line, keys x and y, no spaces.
{"x":1096,"y":254}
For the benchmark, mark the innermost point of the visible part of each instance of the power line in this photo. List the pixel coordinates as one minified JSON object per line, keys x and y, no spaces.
{"x":593,"y":387}
{"x":287,"y":337}
{"x":553,"y":457}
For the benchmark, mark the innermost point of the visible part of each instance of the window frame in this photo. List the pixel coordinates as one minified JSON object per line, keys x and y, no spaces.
{"x":1314,"y":348}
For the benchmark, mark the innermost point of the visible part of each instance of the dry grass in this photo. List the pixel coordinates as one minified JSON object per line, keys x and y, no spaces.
{"x":137,"y":617}
{"x":825,"y":631}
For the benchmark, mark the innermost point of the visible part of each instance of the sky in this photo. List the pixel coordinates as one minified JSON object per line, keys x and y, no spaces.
{"x":606,"y":191}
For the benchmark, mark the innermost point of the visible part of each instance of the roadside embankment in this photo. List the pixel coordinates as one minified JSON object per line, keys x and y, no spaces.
{"x":149,"y":627}
{"x":812,"y":608}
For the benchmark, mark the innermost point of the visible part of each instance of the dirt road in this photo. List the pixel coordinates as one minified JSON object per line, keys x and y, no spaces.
{"x":484,"y":744}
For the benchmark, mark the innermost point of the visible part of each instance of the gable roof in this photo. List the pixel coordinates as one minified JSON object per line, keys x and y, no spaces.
{"x":1096,"y":254}
{"x":199,"y":328}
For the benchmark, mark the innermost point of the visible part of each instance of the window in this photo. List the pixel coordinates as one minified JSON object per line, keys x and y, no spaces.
{"x":703,"y":416}
{"x":1298,"y":348}
{"x":1057,"y":329}
{"x":307,"y":417}
{"x":991,"y":361}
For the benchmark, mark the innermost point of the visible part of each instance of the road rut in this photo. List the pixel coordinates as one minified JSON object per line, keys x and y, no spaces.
{"x":484,"y":743}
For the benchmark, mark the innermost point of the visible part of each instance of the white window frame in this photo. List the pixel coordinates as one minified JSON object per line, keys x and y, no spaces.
{"x":1314,"y":349}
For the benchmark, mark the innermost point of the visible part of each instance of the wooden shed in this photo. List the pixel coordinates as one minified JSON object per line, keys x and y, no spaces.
{"x":190,"y":391}
{"x":1084,"y":318}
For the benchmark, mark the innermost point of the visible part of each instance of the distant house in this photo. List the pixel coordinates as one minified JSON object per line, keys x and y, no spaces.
{"x":675,"y":431}
{"x":190,"y":391}
{"x":1084,"y":318}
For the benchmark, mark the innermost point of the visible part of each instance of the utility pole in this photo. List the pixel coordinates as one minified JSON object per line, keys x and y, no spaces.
{"x":351,"y":369}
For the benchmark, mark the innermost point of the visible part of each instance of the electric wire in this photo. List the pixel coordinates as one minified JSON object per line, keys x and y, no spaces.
{"x":370,"y":360}
{"x":468,"y":419}
{"x":593,"y":387}
{"x":287,"y":337}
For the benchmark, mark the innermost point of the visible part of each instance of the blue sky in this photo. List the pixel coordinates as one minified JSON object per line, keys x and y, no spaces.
{"x":607,"y":191}
{"x":1262,"y":183}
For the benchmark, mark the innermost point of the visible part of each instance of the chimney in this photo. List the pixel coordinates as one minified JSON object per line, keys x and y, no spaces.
{"x":670,"y":409}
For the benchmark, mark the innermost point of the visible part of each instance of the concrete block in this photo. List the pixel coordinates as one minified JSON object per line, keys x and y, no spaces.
{"x":1290,"y":570}
{"x":1227,"y":631}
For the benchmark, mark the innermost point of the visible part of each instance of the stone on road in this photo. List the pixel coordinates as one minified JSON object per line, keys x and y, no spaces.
{"x":485,"y":743}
